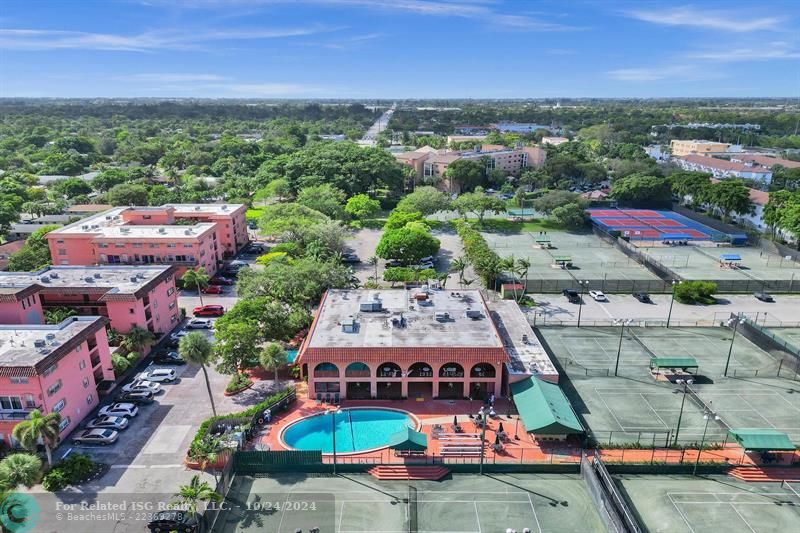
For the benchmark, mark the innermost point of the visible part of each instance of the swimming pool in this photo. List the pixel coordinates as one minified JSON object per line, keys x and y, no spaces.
{"x":356,"y":430}
{"x":291,"y":355}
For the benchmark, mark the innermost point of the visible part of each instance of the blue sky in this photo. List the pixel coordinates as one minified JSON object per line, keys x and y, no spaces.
{"x":398,"y":48}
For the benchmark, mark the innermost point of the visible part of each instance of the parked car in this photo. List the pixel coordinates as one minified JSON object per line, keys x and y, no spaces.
{"x":199,"y":323}
{"x":168,"y":358}
{"x":392,"y":263}
{"x":209,"y":310}
{"x":350,"y":258}
{"x":142,"y":385}
{"x":173,"y":520}
{"x":572,"y":295}
{"x":221,"y":280}
{"x":424,"y":265}
{"x":178,"y":335}
{"x":212,"y":289}
{"x":427,"y":259}
{"x":764,"y":297}
{"x":139,"y":397}
{"x":128,"y":410}
{"x":256,"y":248}
{"x":643,"y":297}
{"x":598,"y":296}
{"x":96,"y":436}
{"x":117,"y":423}
{"x":158,"y":375}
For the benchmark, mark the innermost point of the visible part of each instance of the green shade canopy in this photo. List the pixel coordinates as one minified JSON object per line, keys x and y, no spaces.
{"x":408,"y":439}
{"x":673,"y":362}
{"x":762,"y":440}
{"x":562,"y":258}
{"x":544,"y":409}
{"x":542,"y":239}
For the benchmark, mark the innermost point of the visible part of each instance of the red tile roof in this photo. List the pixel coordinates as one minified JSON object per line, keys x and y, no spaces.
{"x":721,"y":164}
{"x":767,"y":161}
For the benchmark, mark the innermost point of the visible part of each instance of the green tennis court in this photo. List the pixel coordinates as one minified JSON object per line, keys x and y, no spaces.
{"x":357,"y":503}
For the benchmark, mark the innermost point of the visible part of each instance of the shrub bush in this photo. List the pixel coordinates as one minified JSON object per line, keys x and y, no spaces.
{"x":54,"y":480}
{"x":484,"y":260}
{"x":238,"y":382}
{"x":693,"y":292}
{"x":74,"y":470}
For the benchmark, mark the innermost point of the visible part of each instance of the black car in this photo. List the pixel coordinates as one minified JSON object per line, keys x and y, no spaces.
{"x":256,"y":248}
{"x":137,"y":397}
{"x":572,"y":295}
{"x":178,"y":521}
{"x":763,"y":296}
{"x":168,"y":358}
{"x":643,"y":297}
{"x":350,"y":258}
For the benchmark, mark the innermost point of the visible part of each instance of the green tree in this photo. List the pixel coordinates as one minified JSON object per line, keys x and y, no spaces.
{"x":362,"y":206}
{"x":288,"y":220}
{"x":692,"y":292}
{"x":373,"y":262}
{"x":460,"y":265}
{"x":549,"y":201}
{"x":273,"y":357}
{"x":237,"y":346}
{"x":39,"y":427}
{"x":119,"y":364}
{"x":730,"y":196}
{"x":127,"y":194}
{"x":34,"y":255}
{"x":20,"y":469}
{"x":690,"y":184}
{"x":57,"y":315}
{"x":324,"y":198}
{"x":465,"y":174}
{"x":137,"y":339}
{"x":407,"y":245}
{"x":522,"y":267}
{"x":571,"y":216}
{"x":71,"y":187}
{"x":400,"y":219}
{"x":195,"y":492}
{"x":197,"y":279}
{"x":424,"y":200}
{"x":478,"y":203}
{"x":278,"y":188}
{"x":196,"y":348}
{"x":638,"y":190}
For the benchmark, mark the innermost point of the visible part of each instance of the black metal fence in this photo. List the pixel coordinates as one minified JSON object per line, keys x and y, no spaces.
{"x":612,"y":507}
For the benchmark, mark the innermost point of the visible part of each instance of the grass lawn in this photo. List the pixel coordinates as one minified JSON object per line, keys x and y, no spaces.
{"x":254,"y":213}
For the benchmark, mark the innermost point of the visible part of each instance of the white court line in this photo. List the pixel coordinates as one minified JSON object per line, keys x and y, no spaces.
{"x":535,"y":516}
{"x":341,"y":514}
{"x":654,"y":411}
{"x":755,"y":411}
{"x":680,"y":513}
{"x":743,"y":518}
{"x":283,"y":515}
{"x":477,"y":516}
{"x":735,"y":503}
{"x":612,"y":412}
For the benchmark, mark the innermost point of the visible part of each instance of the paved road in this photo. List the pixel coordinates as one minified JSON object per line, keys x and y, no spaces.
{"x":372,"y":133}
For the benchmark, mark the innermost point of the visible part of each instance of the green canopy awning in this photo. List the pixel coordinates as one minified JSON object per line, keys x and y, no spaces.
{"x":762,"y":440}
{"x":542,"y":239}
{"x":408,"y":439}
{"x":544,"y":409}
{"x":673,"y":362}
{"x":562,"y":258}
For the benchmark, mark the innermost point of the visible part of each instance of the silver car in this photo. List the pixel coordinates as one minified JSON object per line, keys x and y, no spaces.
{"x":117,"y":423}
{"x":142,"y":386}
{"x":127,"y":410}
{"x":96,"y":436}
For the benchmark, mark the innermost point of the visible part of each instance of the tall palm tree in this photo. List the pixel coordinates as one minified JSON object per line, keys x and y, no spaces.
{"x":509,"y":265}
{"x":459,"y":264}
{"x":523,"y":266}
{"x":196,"y":348}
{"x":20,"y":469}
{"x":206,"y":452}
{"x":196,"y":278}
{"x":373,"y":261}
{"x":137,"y":339}
{"x":273,"y":357}
{"x":195,"y":492}
{"x":39,"y":426}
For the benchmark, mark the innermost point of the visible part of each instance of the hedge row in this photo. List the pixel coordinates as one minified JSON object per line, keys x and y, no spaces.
{"x":485,"y":261}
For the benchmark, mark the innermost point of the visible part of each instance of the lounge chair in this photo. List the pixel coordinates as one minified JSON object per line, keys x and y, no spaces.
{"x":327,"y":397}
{"x":336,"y":398}
{"x":319,"y":398}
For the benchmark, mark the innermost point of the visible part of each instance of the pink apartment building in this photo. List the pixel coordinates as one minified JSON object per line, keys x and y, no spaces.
{"x":53,"y":368}
{"x":143,"y":296}
{"x":187,"y":236}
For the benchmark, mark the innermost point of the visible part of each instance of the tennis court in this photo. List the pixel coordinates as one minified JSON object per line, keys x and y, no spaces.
{"x":791,"y":336}
{"x":633,"y":407}
{"x":358,"y":503}
{"x":680,"y":504}
{"x":648,"y":224}
{"x":591,"y":257}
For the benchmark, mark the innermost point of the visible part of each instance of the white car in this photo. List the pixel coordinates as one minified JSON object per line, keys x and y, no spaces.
{"x":178,"y":335}
{"x":158,"y":375}
{"x":119,"y":409}
{"x":200,"y":323}
{"x":598,"y":296}
{"x":142,"y":386}
{"x":117,"y":423}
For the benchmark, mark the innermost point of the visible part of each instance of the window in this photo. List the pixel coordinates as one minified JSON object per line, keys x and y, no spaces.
{"x":64,"y":262}
{"x":171,"y":245}
{"x":81,"y":364}
{"x":54,"y":388}
{"x":65,"y":422}
{"x":57,"y":408}
{"x":130,"y":310}
{"x":62,"y":251}
{"x":170,"y":291}
{"x":173,"y":318}
{"x":10,"y":402}
{"x":120,"y":245}
{"x":147,"y":217}
{"x":29,"y":401}
{"x":89,"y":399}
{"x":187,"y":245}
{"x":172,"y":305}
{"x":153,"y":245}
{"x":78,"y":348}
{"x":85,"y":382}
{"x":102,"y":245}
{"x":137,"y":245}
{"x":49,"y":370}
{"x":60,"y":241}
{"x":19,"y":380}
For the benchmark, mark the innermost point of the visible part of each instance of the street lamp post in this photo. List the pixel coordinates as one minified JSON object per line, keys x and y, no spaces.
{"x":622,"y":324}
{"x":671,"y":302}
{"x":735,"y":323}
{"x":334,"y":412}
{"x":483,"y":441}
{"x":580,"y":303}
{"x":685,"y":383}
{"x":708,"y":415}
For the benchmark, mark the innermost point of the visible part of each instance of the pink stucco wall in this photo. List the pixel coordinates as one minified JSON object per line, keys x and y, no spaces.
{"x":26,"y":311}
{"x":161,"y":303}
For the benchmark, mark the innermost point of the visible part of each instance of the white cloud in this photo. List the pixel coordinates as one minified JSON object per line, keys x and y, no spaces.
{"x":33,"y":39}
{"x":763,"y":52}
{"x":710,"y":19}
{"x":664,"y":72}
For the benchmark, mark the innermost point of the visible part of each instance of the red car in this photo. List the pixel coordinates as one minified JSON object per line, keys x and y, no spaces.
{"x":212,"y":289}
{"x":209,"y":310}
{"x":220,"y":280}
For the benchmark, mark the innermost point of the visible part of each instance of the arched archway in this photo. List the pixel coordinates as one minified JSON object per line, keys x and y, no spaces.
{"x":326,"y":370}
{"x":483,"y":370}
{"x":357,"y":370}
{"x":451,"y":370}
{"x":389,"y":370}
{"x":420,"y":370}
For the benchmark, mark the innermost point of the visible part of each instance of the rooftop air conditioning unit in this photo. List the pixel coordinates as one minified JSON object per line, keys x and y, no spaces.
{"x":188,"y":232}
{"x":54,"y":275}
{"x":39,"y":343}
{"x":88,"y":279}
{"x":97,"y":275}
{"x":474,"y":315}
{"x":134,"y":279}
{"x":197,"y":208}
{"x":85,"y":226}
{"x":442,"y":316}
{"x":350,"y":325}
{"x":45,"y":279}
{"x":50,"y":336}
{"x":162,"y":230}
{"x":224,"y":207}
{"x":370,"y":307}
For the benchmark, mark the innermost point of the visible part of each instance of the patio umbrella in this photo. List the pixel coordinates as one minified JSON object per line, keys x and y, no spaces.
{"x":500,"y":428}
{"x":455,"y":420}
{"x":497,"y":440}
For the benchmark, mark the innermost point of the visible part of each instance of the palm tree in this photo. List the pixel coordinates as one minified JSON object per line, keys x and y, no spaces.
{"x":373,"y":261}
{"x":196,"y":278}
{"x":20,"y":469}
{"x":137,"y":339}
{"x":206,"y":451}
{"x":196,"y":348}
{"x":273,"y":357}
{"x":509,"y":264}
{"x":196,"y":491}
{"x":459,"y":264}
{"x":39,"y":426}
{"x":523,"y":265}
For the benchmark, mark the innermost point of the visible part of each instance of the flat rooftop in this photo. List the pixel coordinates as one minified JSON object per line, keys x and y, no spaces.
{"x":216,"y":209}
{"x":526,"y":353}
{"x":403,"y":321}
{"x":27,"y":345}
{"x":117,"y":279}
{"x":110,"y":224}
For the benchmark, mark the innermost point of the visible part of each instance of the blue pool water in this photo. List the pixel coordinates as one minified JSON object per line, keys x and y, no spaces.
{"x":356,"y":430}
{"x":291,"y":355}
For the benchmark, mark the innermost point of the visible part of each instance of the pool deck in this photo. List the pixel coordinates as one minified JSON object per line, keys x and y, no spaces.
{"x":520,"y":448}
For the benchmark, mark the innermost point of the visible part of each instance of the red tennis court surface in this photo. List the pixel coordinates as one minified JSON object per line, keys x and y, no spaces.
{"x":641,"y":213}
{"x":665,"y":223}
